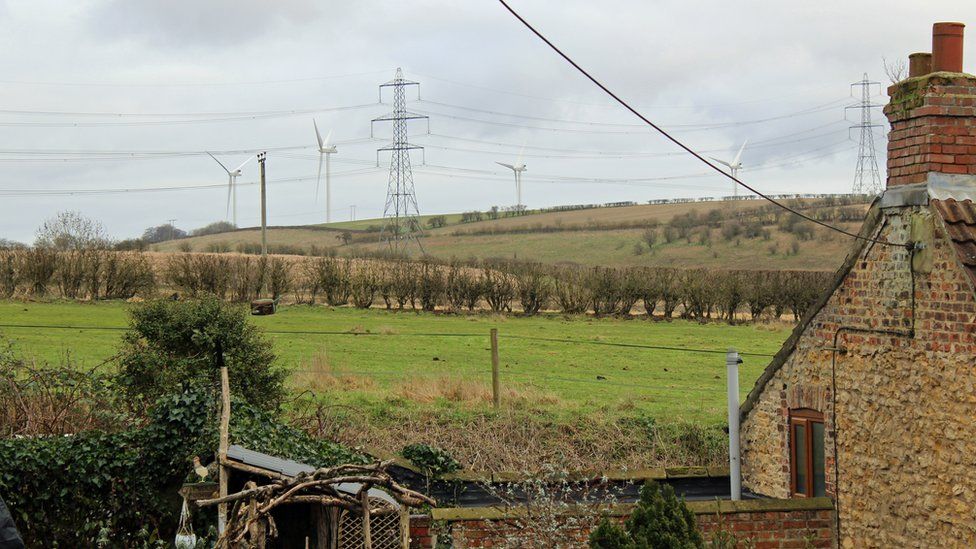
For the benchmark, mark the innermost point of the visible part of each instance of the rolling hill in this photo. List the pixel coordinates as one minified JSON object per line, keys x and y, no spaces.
{"x":744,"y":234}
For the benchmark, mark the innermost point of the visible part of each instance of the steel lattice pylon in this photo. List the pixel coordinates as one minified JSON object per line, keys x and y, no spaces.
{"x":867,"y":178}
{"x":401,"y":214}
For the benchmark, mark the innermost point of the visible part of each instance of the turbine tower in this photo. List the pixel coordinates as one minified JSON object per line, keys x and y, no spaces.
{"x":232,"y":176}
{"x":401,"y":214}
{"x":867,"y":178}
{"x":734,"y":166}
{"x":326,"y":150}
{"x":517,"y":169}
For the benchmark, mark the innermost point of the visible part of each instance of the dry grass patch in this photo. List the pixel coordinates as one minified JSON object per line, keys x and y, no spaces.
{"x":319,"y":376}
{"x":515,"y":440}
{"x":459,"y":390}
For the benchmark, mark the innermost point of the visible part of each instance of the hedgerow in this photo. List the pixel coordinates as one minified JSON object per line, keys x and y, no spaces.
{"x":120,"y":488}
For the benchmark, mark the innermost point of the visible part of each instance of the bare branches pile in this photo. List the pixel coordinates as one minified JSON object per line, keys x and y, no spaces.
{"x":250,"y":520}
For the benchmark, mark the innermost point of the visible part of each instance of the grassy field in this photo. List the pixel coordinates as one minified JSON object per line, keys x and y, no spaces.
{"x":599,"y":236}
{"x":565,"y":367}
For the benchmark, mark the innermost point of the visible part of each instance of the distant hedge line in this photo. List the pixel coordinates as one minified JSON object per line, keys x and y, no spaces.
{"x":499,"y":286}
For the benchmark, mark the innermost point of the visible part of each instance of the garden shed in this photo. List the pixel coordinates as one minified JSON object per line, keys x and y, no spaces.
{"x":305,"y":506}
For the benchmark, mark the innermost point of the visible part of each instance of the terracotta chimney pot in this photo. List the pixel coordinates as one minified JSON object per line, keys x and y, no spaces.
{"x":919,"y":64}
{"x":947,"y":47}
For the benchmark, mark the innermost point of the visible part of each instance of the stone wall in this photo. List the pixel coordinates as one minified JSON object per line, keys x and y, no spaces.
{"x":905,"y":426}
{"x":761,"y":524}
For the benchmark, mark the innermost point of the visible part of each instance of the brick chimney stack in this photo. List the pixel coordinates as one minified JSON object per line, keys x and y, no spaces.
{"x":933,"y":113}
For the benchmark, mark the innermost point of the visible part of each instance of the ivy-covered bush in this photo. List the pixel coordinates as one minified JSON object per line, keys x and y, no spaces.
{"x":173,"y":344}
{"x":434,"y":461}
{"x":258,"y":430}
{"x":71,"y":491}
{"x":120,"y":489}
{"x":660,"y":520}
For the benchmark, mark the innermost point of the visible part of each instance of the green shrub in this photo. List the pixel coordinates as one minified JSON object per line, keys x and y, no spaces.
{"x":434,"y":461}
{"x":610,"y":535}
{"x":173,"y":344}
{"x":659,"y":521}
{"x":69,"y":491}
{"x":119,"y":490}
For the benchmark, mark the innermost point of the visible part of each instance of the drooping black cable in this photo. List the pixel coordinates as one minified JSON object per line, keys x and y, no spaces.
{"x":679,"y":143}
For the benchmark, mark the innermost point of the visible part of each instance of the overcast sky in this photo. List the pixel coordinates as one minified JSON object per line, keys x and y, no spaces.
{"x":89,"y":87}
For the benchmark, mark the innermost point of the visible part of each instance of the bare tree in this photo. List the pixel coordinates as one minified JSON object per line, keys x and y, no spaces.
{"x":896,"y":70}
{"x":71,"y":231}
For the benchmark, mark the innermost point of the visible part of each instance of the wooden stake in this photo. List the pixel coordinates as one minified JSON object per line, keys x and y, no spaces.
{"x":404,"y":527}
{"x":222,"y":449}
{"x":495,"y":397}
{"x":367,"y":539}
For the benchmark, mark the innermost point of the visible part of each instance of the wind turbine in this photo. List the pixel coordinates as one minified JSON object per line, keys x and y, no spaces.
{"x":325,"y":150}
{"x":232,"y":183}
{"x":517,"y":169}
{"x":734,"y":167}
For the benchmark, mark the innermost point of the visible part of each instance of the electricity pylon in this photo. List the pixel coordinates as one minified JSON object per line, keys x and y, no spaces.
{"x":867,"y":178}
{"x":401,"y":214}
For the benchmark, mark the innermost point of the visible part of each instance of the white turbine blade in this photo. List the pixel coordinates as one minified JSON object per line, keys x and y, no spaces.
{"x":518,"y":161}
{"x":230,"y":187}
{"x":722,"y":162}
{"x":244,"y":163}
{"x":318,"y":136}
{"x":318,"y":178}
{"x":328,"y":138}
{"x":221,"y":163}
{"x":739,"y":155}
{"x":509,"y":166}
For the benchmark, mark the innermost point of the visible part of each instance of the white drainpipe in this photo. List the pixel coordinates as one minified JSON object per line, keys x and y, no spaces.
{"x":732,"y":362}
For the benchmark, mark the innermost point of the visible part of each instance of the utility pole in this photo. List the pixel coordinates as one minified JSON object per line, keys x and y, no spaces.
{"x":401,"y":213}
{"x":732,"y":362}
{"x":264,"y":207}
{"x":867,"y":178}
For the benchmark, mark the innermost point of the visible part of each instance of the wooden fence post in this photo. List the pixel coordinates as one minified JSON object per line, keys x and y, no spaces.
{"x":222,"y":449}
{"x":495,"y":397}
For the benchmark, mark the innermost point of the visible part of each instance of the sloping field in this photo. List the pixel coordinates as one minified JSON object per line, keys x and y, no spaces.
{"x":597,"y":236}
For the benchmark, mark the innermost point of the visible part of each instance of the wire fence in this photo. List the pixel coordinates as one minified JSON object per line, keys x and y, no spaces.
{"x":527,"y":377}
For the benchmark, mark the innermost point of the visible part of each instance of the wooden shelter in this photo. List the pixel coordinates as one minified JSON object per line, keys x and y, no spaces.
{"x":278,"y":502}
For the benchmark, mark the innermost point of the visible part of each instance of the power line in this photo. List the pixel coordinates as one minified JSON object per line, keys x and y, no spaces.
{"x":187,"y":84}
{"x":240,"y":118}
{"x":811,"y":110}
{"x":615,"y":156}
{"x":131,"y":190}
{"x":600,"y":105}
{"x":684,"y":128}
{"x":679,"y":143}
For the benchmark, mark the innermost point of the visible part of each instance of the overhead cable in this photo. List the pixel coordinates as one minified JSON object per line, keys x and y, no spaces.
{"x":677,"y":142}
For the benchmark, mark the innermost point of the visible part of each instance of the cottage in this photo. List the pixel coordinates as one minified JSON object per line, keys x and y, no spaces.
{"x":871,"y":400}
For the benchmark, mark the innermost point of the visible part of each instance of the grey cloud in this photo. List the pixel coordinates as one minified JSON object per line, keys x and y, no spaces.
{"x":201,"y":23}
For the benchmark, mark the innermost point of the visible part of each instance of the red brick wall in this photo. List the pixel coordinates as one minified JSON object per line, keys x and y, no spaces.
{"x":774,"y":529}
{"x":933,"y":127}
{"x":763,"y":529}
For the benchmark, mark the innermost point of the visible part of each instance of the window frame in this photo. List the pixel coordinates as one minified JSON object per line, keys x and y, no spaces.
{"x":805,"y":417}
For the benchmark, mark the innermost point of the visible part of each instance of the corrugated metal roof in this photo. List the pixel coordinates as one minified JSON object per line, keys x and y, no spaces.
{"x":292,"y":468}
{"x":960,"y":222}
{"x":285,"y":467}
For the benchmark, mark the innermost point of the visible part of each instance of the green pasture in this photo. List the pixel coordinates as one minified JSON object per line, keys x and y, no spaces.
{"x":579,"y":364}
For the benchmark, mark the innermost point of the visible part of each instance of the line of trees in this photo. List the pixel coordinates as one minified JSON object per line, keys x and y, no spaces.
{"x":498,"y":286}
{"x":502,"y":287}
